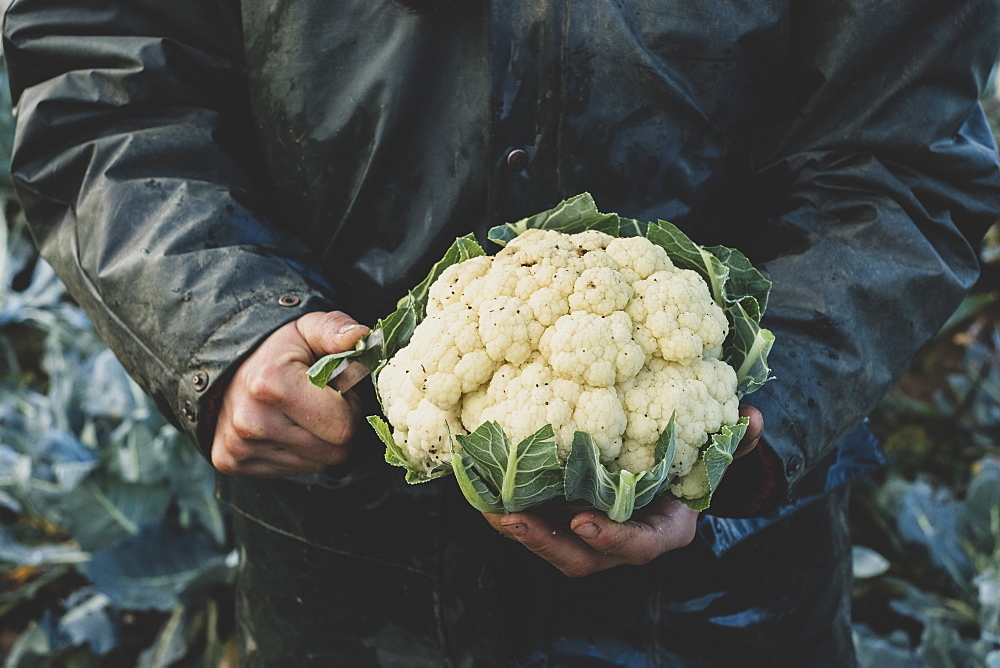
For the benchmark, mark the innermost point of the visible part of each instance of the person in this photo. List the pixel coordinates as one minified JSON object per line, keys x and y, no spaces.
{"x":233,"y":189}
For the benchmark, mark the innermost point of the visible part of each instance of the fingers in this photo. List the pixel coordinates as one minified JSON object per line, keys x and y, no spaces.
{"x":274,"y":376}
{"x":595,"y":543}
{"x":281,"y":385}
{"x":657,"y":528}
{"x":753,"y":433}
{"x":262,"y":460}
{"x":328,"y":333}
{"x":559,"y":547}
{"x":273,"y":421}
{"x":256,"y":439}
{"x":251,"y":424}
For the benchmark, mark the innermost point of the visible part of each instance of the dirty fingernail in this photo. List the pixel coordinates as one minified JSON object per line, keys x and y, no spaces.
{"x":516,"y":530}
{"x":587,"y":531}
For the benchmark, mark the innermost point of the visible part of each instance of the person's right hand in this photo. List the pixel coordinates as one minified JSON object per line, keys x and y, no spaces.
{"x":273,"y":422}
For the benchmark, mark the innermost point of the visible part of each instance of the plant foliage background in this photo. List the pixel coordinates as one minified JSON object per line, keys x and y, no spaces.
{"x":927,"y":530}
{"x":113,"y":550}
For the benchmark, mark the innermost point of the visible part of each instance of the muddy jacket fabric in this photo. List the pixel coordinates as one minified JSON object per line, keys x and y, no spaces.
{"x":200,"y":172}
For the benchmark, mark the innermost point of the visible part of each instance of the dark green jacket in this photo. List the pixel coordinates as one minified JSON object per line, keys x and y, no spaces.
{"x":186,"y":164}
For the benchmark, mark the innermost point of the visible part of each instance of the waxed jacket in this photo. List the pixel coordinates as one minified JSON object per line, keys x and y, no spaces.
{"x":200,"y":172}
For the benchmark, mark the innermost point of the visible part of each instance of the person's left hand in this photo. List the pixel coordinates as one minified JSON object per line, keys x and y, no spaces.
{"x":595,"y":543}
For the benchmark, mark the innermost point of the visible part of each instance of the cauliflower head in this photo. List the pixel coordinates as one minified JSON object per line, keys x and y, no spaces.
{"x":583,"y":332}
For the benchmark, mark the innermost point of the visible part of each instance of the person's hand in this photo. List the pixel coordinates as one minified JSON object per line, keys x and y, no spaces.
{"x":593,"y":543}
{"x":273,"y":422}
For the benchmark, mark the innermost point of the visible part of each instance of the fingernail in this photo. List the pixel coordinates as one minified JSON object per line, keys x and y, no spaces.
{"x":587,"y":531}
{"x":516,"y":530}
{"x":346,"y":328}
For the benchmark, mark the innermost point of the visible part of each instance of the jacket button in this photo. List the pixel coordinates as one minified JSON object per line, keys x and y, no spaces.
{"x":289,"y":300}
{"x":794,"y":464}
{"x":189,"y":411}
{"x":517,"y":160}
{"x":200,"y":381}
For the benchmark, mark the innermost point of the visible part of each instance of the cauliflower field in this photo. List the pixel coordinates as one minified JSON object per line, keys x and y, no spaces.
{"x":594,"y":358}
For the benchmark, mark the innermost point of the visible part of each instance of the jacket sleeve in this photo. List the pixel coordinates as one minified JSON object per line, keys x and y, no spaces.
{"x":881,"y":178}
{"x":135,"y":163}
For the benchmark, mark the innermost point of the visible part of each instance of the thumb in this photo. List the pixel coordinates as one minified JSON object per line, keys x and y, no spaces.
{"x":331,"y":332}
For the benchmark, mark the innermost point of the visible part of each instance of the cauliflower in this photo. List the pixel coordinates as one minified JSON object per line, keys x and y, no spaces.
{"x":583,"y":332}
{"x":583,"y":360}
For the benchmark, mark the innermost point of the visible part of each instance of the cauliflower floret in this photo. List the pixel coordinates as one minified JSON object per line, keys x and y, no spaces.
{"x":530,"y":279}
{"x":635,"y":456}
{"x":399,"y":395}
{"x":685,"y":457}
{"x":638,"y":258}
{"x":639,"y":456}
{"x":509,"y":329}
{"x":446,"y":357}
{"x":493,"y":285}
{"x":541,"y":247}
{"x":595,"y":349}
{"x":599,"y":413}
{"x":451,"y":284}
{"x":548,"y":305}
{"x":694,"y":485}
{"x":599,"y":259}
{"x":552,"y":263}
{"x":591,"y":240}
{"x":524,"y":399}
{"x":425,"y":437}
{"x":509,"y":279}
{"x":702,"y":395}
{"x":547,"y":248}
{"x":600,"y":290}
{"x":474,"y":407}
{"x":675,"y":316}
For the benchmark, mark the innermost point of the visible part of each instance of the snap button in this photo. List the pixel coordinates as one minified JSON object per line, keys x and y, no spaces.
{"x":200,"y":381}
{"x":794,"y":464}
{"x":517,"y":159}
{"x":289,"y":300}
